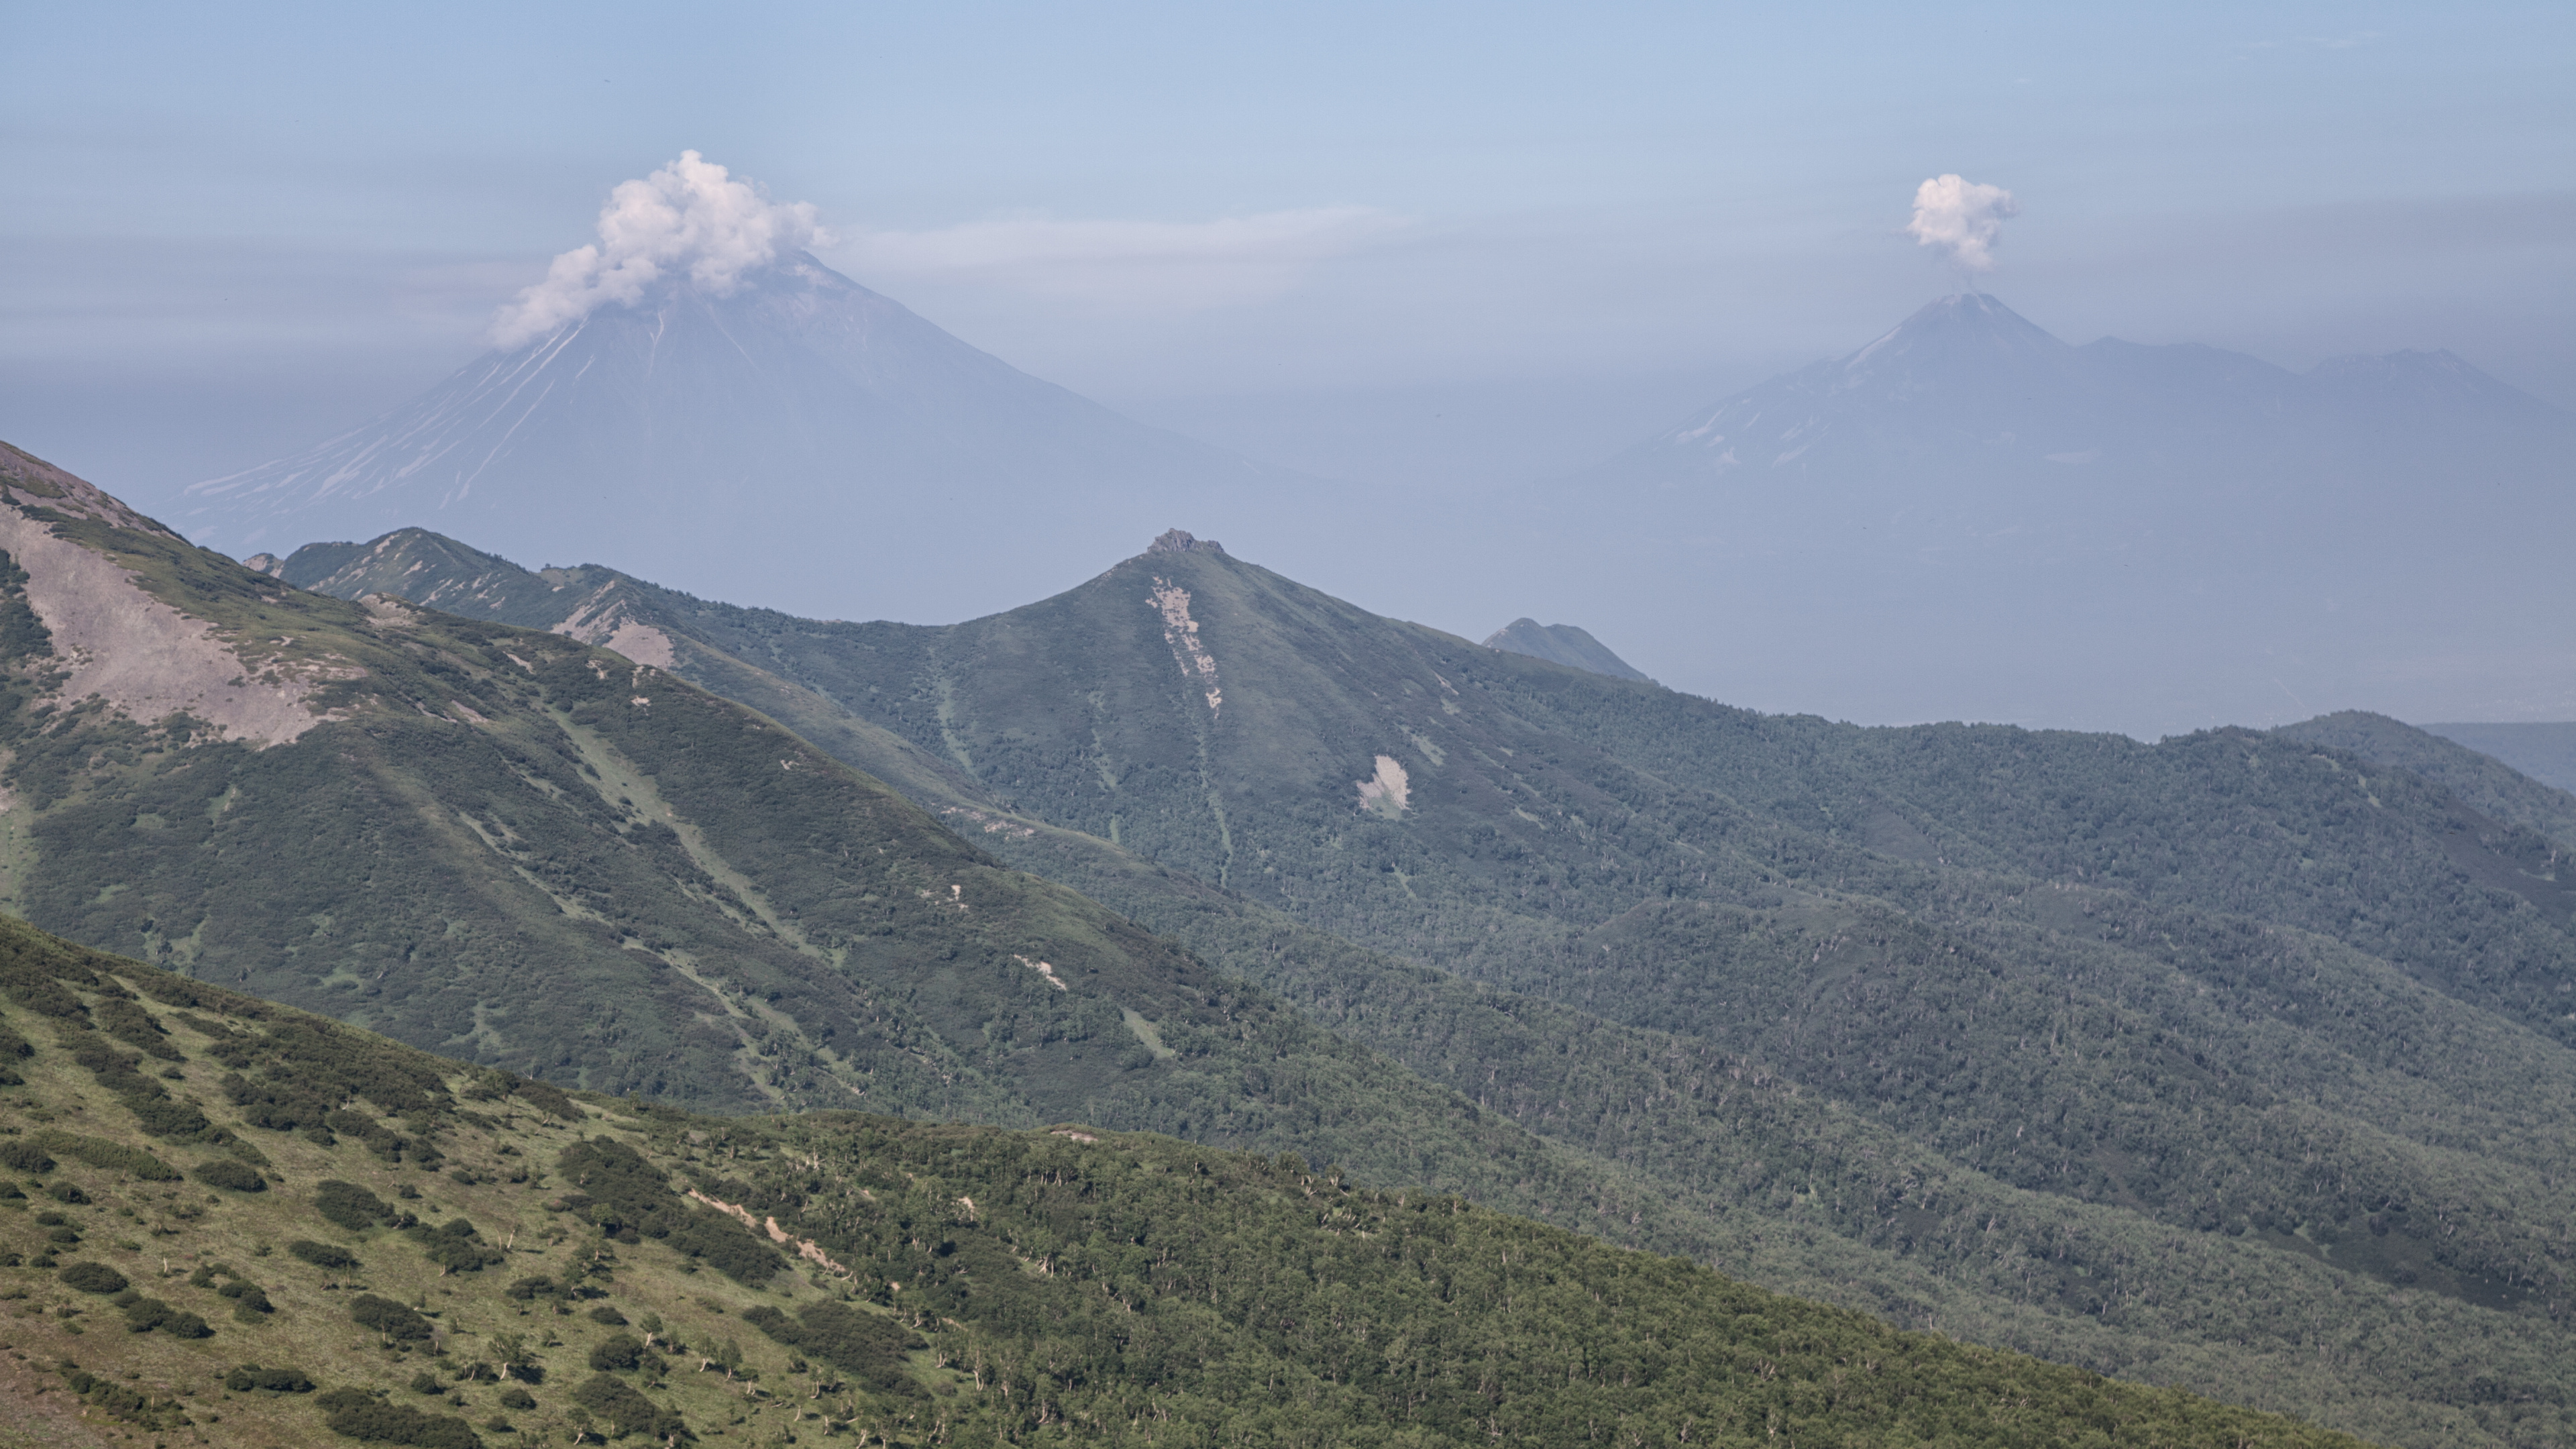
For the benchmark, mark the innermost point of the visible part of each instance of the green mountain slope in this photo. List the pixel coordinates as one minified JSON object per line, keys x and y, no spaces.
{"x":353,"y":1241}
{"x":2055,"y":1047}
{"x":2486,"y":783}
{"x":524,"y":852}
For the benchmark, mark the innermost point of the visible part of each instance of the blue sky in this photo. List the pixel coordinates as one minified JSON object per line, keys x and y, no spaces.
{"x":1436,"y":243}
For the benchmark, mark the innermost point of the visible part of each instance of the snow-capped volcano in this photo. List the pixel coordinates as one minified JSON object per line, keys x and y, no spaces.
{"x":758,"y":441}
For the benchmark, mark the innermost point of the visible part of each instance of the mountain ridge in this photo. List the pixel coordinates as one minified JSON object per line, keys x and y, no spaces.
{"x":1490,"y":889}
{"x":1969,"y":518}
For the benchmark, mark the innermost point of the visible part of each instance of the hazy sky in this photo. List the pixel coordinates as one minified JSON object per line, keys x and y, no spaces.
{"x":1430,"y":241}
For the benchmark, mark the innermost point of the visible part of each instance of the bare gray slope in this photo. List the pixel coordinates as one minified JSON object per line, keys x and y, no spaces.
{"x":791,"y":441}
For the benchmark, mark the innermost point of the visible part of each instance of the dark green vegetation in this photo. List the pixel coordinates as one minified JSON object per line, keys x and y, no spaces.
{"x":542,"y":857}
{"x":910,"y":1284}
{"x":2486,"y":782}
{"x":2237,"y":1061}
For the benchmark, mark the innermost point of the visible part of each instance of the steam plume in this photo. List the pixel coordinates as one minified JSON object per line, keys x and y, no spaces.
{"x":1964,"y":217}
{"x":691,"y":216}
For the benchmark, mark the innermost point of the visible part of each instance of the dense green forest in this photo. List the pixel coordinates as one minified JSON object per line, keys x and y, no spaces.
{"x":225,"y":1221}
{"x":2224,"y":1062}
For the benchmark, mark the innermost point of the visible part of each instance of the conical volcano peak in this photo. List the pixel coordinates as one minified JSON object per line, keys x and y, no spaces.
{"x":733,"y":434}
{"x":1955,"y":327}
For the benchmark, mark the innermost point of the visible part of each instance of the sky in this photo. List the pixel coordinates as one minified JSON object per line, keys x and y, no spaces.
{"x":1425,"y":246}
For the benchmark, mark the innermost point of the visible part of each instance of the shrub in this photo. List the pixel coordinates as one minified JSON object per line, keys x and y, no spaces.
{"x":108,"y":1156}
{"x":123,"y":1402}
{"x":610,"y":1316}
{"x":456,"y":1246}
{"x":146,"y":1314}
{"x":518,"y":1398}
{"x":863,"y":1343}
{"x":617,"y":1353}
{"x":625,"y":1409}
{"x":231,"y":1176}
{"x":547,"y":1097}
{"x":389,"y":1318}
{"x":275,"y":1380}
{"x":93,"y":1278}
{"x":24,"y":1157}
{"x":66,"y":1192}
{"x":426,"y":1382}
{"x":322,"y":1255}
{"x":627,"y":1194}
{"x":250,"y":1304}
{"x":360,"y":1415}
{"x":349,"y":1205}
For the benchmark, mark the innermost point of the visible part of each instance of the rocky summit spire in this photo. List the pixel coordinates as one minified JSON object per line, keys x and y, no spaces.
{"x":1174,"y":540}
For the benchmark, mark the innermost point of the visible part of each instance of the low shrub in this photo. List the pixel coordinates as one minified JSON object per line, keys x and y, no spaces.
{"x":108,"y":1156}
{"x":231,"y":1176}
{"x":143,"y":1315}
{"x":456,"y":1246}
{"x":349,"y":1205}
{"x":93,"y":1278}
{"x":274,"y":1380}
{"x":25,"y":1157}
{"x":389,"y":1318}
{"x":322,"y":1255}
{"x":625,"y":1408}
{"x":361,"y":1415}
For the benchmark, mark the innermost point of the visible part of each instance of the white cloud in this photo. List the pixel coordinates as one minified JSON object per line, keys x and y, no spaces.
{"x":1964,"y":218}
{"x":1172,"y":266}
{"x":689,"y":217}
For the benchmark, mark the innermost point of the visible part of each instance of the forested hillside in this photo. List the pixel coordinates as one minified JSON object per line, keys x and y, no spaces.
{"x":2227,"y":1062}
{"x":224,"y":1221}
{"x":534,"y":855}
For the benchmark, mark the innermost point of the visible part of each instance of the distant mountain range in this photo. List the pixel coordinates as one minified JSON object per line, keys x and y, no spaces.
{"x":771,"y":441}
{"x":1966,"y":518}
{"x":1917,"y":1020}
{"x":1970,"y":518}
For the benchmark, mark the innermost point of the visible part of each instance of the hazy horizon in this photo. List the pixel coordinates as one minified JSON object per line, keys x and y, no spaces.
{"x":1435,"y":256}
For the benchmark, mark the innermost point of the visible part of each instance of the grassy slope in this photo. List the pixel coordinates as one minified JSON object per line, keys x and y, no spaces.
{"x":1041,"y":1286}
{"x":2107,"y":1195}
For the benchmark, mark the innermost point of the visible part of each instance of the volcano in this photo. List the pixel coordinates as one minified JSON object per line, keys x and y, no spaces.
{"x":1967,"y":386}
{"x":793,"y":438}
{"x":1971,"y":517}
